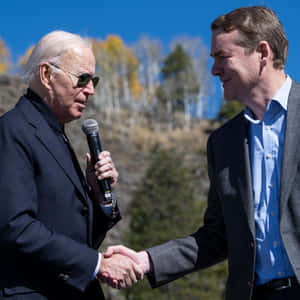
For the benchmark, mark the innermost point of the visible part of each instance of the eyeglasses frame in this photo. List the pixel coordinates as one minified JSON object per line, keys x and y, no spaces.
{"x":95,"y":80}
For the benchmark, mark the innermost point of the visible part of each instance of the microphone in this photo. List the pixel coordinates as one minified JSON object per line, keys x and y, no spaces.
{"x":90,"y":128}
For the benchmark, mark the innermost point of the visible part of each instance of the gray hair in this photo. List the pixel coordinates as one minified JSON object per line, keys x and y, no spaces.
{"x":51,"y":48}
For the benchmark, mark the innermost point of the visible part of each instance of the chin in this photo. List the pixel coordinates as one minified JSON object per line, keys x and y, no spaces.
{"x":76,"y":115}
{"x":72,"y":118}
{"x":228,"y":97}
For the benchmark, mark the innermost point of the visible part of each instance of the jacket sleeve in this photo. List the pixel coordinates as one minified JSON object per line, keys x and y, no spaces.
{"x":103,"y":223}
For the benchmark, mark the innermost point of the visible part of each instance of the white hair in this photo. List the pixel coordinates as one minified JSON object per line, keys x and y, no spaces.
{"x":51,"y":48}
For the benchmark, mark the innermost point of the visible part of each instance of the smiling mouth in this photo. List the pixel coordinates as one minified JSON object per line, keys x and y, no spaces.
{"x":224,"y":82}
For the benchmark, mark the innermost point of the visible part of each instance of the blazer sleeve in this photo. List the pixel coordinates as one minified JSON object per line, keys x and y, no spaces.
{"x":102,"y":223}
{"x":25,"y":241}
{"x":200,"y":250}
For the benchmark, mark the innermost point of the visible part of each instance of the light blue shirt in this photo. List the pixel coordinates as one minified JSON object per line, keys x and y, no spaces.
{"x":266,"y":139}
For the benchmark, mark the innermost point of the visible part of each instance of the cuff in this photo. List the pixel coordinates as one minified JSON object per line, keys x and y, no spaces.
{"x":97,"y":266}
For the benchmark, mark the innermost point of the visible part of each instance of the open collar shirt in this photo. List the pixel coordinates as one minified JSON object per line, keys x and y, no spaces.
{"x":266,"y":138}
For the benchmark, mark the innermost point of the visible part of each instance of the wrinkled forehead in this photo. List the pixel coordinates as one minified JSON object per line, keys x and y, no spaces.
{"x":79,"y":60}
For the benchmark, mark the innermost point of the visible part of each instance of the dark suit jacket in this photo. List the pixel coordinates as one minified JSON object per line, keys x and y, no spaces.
{"x":229,"y":228}
{"x":50,"y":228}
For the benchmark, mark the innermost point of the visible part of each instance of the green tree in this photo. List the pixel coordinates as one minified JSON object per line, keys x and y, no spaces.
{"x":179,"y":78}
{"x":165,"y":206}
{"x":229,"y":109}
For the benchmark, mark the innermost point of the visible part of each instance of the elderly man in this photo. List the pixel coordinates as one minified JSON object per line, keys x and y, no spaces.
{"x":253,"y":212}
{"x":51,"y":217}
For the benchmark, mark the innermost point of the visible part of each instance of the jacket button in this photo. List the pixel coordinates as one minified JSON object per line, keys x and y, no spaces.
{"x":63,"y":277}
{"x":249,"y":284}
{"x":84,"y":211}
{"x":252,"y":245}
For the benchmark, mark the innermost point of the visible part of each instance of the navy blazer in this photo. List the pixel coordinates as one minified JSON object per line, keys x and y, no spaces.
{"x":50,"y":228}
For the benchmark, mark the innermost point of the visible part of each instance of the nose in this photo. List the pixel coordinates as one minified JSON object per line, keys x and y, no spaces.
{"x":215,"y":70}
{"x":89,"y":88}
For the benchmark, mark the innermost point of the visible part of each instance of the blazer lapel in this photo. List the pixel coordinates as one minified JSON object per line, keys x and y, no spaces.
{"x":291,"y":146}
{"x":243,"y":172}
{"x":235,"y":167}
{"x":52,"y":144}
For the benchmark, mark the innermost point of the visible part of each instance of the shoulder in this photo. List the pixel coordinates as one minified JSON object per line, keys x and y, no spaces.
{"x":295,"y":83}
{"x":16,"y":123}
{"x":295,"y":89}
{"x":228,"y":130}
{"x":15,"y":113}
{"x":24,"y":111}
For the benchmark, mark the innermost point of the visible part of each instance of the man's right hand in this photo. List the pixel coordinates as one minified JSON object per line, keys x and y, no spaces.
{"x":141,"y":258}
{"x":119,"y":271}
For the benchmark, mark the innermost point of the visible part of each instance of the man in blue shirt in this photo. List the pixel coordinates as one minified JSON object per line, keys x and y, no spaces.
{"x":253,"y":213}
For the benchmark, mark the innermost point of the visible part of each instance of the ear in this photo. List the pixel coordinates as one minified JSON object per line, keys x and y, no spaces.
{"x":45,"y":75}
{"x":264,"y":51}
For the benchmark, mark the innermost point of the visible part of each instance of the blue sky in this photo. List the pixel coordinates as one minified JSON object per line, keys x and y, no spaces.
{"x":23,"y":23}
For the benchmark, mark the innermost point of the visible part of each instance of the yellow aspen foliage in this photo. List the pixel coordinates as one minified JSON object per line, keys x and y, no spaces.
{"x":136,"y":87}
{"x":23,"y":59}
{"x":5,"y":63}
{"x":117,"y":62}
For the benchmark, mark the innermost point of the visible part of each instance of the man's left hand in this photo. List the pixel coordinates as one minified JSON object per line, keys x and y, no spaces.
{"x":104,"y":168}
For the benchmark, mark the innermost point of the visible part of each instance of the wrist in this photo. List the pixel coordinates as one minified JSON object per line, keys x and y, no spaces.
{"x":97,"y":269}
{"x":145,"y":262}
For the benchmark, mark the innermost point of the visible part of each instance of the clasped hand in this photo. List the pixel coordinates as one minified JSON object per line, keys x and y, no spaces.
{"x":122,"y":267}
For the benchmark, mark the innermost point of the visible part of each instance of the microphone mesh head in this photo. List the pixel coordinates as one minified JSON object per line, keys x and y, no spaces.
{"x":90,"y":126}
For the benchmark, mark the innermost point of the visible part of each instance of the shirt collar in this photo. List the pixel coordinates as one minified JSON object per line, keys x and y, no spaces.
{"x":45,"y":110}
{"x":282,"y":94}
{"x":281,"y":97}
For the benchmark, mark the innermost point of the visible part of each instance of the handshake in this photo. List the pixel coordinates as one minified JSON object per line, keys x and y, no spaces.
{"x":122,"y":267}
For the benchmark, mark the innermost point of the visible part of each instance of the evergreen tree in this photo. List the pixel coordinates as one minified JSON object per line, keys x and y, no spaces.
{"x":164,"y":207}
{"x":179,"y":78}
{"x":229,"y":109}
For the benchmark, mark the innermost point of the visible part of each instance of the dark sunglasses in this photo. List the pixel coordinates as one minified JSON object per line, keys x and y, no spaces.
{"x":83,"y":79}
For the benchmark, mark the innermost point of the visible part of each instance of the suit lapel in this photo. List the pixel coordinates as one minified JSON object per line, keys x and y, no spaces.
{"x":291,"y":146}
{"x":50,"y":141}
{"x":241,"y":161}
